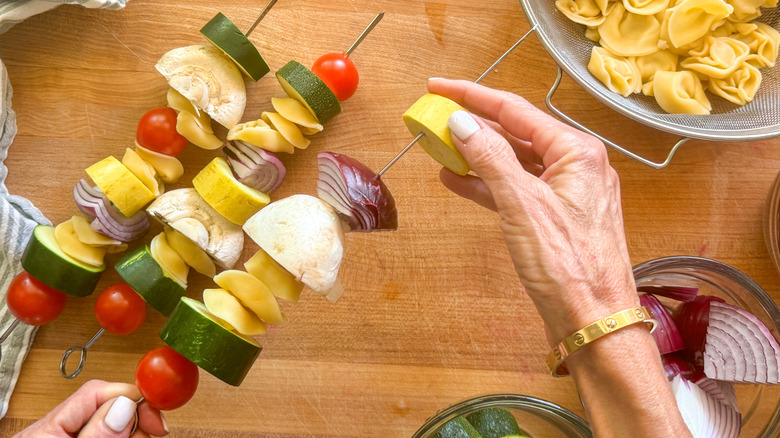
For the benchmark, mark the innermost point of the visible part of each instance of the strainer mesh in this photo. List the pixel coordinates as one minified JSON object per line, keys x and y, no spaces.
{"x":566,"y":43}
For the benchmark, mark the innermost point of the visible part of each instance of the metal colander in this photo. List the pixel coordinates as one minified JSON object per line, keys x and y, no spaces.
{"x":565,"y":41}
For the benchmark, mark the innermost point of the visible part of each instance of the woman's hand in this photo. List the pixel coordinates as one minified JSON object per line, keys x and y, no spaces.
{"x":99,"y":409}
{"x":558,"y":199}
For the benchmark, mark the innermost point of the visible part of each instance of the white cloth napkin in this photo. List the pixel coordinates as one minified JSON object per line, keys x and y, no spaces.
{"x":18,"y":216}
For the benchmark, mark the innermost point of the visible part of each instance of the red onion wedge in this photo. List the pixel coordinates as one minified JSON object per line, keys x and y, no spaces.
{"x":674,"y":365}
{"x":358,"y":195}
{"x":739,"y":347}
{"x":666,"y":335}
{"x":679,"y":293}
{"x":107,"y":219}
{"x":723,"y":392}
{"x":255,"y":167}
{"x":704,"y":415}
{"x":692,"y":321}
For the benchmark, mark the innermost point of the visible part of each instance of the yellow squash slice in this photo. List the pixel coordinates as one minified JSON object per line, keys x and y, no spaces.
{"x":252,"y":293}
{"x":429,"y":115}
{"x":233,"y":200}
{"x":120,"y":185}
{"x":144,"y":171}
{"x":190,"y":252}
{"x":169,"y":260}
{"x":227,"y":307}
{"x":72,"y":246}
{"x":280,"y":282}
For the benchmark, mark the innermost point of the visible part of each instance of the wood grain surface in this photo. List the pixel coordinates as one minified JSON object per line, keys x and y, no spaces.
{"x":433,"y":312}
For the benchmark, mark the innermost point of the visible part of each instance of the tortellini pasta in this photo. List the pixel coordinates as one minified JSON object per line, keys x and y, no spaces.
{"x":680,"y":92}
{"x":627,"y":34}
{"x":649,"y":65}
{"x":678,"y":50}
{"x":280,"y":131}
{"x":616,"y":72}
{"x":717,"y":57}
{"x":192,"y":123}
{"x":587,"y":12}
{"x":739,"y":87}
{"x":169,"y":260}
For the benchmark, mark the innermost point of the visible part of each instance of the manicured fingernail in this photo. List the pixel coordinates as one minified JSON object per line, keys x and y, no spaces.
{"x":462,"y":124}
{"x":120,"y":414}
{"x":164,"y":422}
{"x":435,"y":79}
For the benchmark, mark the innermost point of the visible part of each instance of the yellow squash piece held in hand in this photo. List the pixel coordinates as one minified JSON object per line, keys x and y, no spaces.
{"x":429,"y":115}
{"x":233,"y":200}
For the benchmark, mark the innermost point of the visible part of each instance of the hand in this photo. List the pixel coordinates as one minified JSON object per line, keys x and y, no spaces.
{"x":99,"y":409}
{"x":558,"y":200}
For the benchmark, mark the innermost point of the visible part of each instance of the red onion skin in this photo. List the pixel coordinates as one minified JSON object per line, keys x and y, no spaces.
{"x":268,"y":171}
{"x":674,"y":365}
{"x":679,"y":293}
{"x":366,"y":190}
{"x":108,"y":220}
{"x":666,"y":335}
{"x":692,"y":321}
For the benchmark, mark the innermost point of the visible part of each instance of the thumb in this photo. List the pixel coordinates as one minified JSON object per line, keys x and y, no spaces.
{"x":114,"y":419}
{"x":488,"y":154}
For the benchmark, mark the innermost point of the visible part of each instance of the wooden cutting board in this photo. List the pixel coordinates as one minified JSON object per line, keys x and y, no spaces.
{"x":433,"y":312}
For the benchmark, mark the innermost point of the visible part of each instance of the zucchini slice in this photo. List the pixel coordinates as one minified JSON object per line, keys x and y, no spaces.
{"x":44,"y":259}
{"x":142,"y":272}
{"x":429,"y":115}
{"x":200,"y":337}
{"x":304,"y":86}
{"x":225,"y":36}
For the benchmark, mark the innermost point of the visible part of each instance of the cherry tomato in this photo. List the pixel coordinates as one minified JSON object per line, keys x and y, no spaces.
{"x":33,"y":302}
{"x":157,"y":131}
{"x":166,"y":379}
{"x":339,"y":74}
{"x":120,"y":310}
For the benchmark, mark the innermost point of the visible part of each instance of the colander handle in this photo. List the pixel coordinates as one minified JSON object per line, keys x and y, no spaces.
{"x":626,"y":152}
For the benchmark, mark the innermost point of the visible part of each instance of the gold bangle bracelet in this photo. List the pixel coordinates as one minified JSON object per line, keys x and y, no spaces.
{"x":593,"y":331}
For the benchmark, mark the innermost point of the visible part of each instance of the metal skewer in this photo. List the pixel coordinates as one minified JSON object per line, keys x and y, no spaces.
{"x":82,"y":358}
{"x":260,"y":17}
{"x":479,"y":79}
{"x":365,"y":32}
{"x":7,"y":333}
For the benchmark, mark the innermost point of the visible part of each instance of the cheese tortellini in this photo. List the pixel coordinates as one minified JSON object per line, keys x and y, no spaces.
{"x":675,"y":50}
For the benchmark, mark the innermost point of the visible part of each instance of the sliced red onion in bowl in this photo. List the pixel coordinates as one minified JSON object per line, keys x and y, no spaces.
{"x":721,"y":391}
{"x":739,"y":347}
{"x":679,"y":293}
{"x":692,"y":320}
{"x":107,"y":219}
{"x":704,"y":415}
{"x":674,"y":365}
{"x":255,"y":167}
{"x":666,"y":335}
{"x":358,"y":195}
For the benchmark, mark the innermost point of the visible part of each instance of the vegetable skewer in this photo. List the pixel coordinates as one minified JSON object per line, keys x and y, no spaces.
{"x":479,"y":79}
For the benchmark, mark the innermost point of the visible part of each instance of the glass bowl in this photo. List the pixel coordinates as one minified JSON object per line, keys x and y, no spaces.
{"x":759,"y":404}
{"x":539,"y":418}
{"x":772,"y":223}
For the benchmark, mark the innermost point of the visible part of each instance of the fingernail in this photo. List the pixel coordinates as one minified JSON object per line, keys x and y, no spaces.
{"x":462,"y":124}
{"x":435,"y":79}
{"x":165,"y":423}
{"x":120,"y":414}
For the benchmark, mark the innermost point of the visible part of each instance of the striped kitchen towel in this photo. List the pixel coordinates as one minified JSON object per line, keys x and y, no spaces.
{"x":18,"y":216}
